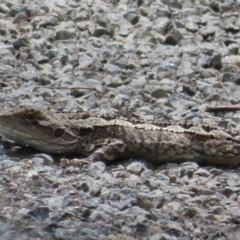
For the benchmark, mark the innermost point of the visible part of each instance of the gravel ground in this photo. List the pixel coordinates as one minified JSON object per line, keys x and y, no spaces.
{"x":149,"y":59}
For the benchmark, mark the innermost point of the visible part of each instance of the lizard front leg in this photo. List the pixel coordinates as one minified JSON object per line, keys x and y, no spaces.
{"x":107,"y":152}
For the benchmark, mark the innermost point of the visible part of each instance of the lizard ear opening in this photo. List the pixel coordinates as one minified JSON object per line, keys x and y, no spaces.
{"x":31,"y":118}
{"x":58,"y":132}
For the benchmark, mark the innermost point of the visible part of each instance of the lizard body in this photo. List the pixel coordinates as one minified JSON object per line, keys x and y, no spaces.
{"x":103,"y":137}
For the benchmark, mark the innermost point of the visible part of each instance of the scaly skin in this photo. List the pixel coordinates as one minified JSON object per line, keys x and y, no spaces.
{"x":99,"y":137}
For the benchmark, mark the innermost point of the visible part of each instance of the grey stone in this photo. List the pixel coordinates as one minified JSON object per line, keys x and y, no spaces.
{"x":161,"y":25}
{"x":135,"y":167}
{"x":50,"y":20}
{"x":66,"y":34}
{"x":28,"y":75}
{"x":4,"y":8}
{"x":92,"y":203}
{"x":113,"y":81}
{"x":216,"y":61}
{"x":20,"y":42}
{"x":61,"y":233}
{"x":202,"y":172}
{"x":7,"y":163}
{"x":16,"y":9}
{"x":21,"y":17}
{"x":124,"y":31}
{"x":190,"y":26}
{"x":96,"y":169}
{"x":40,"y":213}
{"x":85,"y":60}
{"x":120,"y":100}
{"x":157,"y":11}
{"x":5,"y":52}
{"x":112,"y":69}
{"x":233,"y":48}
{"x":132,"y":17}
{"x":174,"y":36}
{"x":98,"y":31}
{"x":80,"y":14}
{"x":89,"y":233}
{"x":3,"y":227}
{"x":204,"y":61}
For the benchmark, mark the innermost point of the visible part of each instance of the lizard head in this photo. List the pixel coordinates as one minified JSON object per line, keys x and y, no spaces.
{"x":38,"y":128}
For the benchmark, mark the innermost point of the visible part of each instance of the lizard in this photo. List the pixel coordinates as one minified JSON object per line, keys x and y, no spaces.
{"x":104,"y":137}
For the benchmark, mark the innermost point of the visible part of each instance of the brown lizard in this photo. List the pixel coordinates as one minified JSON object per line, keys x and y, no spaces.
{"x":103,"y":137}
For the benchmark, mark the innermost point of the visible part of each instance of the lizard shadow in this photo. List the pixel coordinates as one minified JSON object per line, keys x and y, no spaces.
{"x":18,"y":153}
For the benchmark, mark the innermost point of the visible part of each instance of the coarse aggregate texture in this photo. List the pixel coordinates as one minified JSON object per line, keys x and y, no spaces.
{"x":150,"y":59}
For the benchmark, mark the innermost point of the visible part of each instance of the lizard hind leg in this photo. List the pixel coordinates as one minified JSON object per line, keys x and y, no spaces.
{"x":108,"y":152}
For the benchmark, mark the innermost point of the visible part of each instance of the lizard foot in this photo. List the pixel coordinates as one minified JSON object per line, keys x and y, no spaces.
{"x":74,"y":162}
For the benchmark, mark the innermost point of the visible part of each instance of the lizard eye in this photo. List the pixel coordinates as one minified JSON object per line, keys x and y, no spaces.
{"x":31,"y":118}
{"x":58,"y":132}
